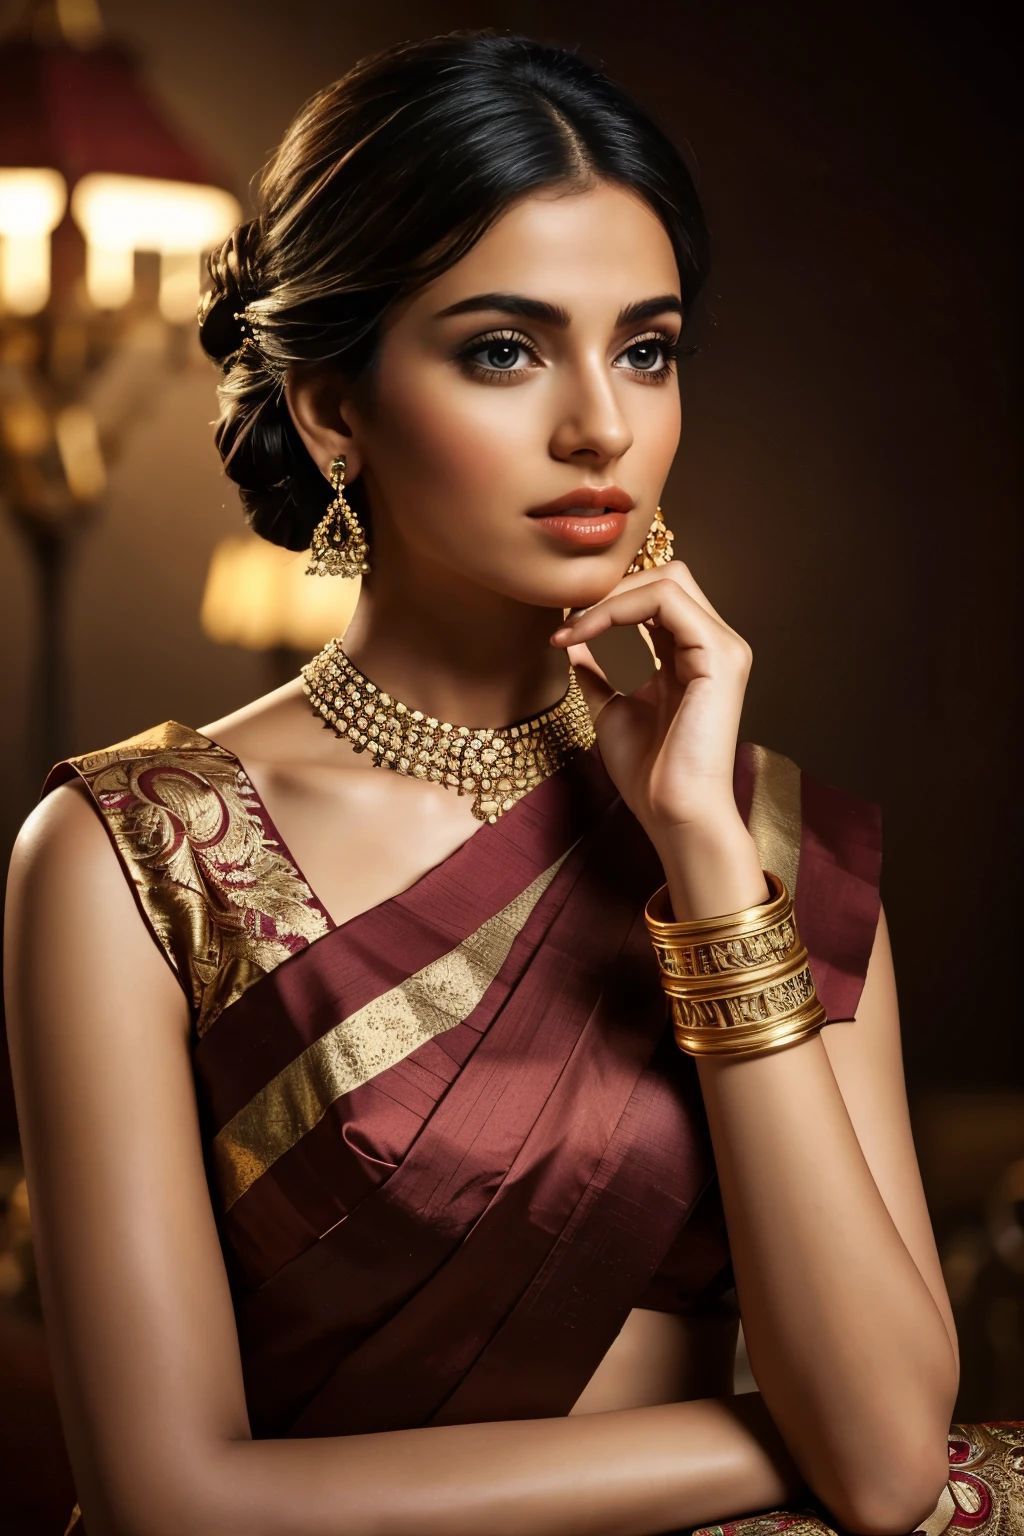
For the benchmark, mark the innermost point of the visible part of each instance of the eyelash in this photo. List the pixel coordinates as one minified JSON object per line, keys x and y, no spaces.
{"x":671,"y":350}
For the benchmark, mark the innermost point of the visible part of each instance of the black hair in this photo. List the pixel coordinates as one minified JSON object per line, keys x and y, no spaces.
{"x":384,"y":181}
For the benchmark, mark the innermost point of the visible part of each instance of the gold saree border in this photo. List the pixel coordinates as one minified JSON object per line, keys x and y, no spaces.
{"x":169,"y":736}
{"x":369,"y":1041}
{"x":775,"y":821}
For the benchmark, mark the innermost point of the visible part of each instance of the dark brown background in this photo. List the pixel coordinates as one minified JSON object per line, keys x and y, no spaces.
{"x":847,"y":486}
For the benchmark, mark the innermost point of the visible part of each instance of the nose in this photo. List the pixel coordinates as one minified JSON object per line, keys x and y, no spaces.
{"x":591,"y":427}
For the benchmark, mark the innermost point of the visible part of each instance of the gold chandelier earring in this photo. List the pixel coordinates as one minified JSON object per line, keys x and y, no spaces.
{"x":656,"y":549}
{"x":338,"y":546}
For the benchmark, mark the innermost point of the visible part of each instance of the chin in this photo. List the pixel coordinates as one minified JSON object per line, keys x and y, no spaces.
{"x":588,"y":580}
{"x":578,"y":582}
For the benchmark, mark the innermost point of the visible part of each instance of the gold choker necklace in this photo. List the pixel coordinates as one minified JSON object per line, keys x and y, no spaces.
{"x":497,"y":765}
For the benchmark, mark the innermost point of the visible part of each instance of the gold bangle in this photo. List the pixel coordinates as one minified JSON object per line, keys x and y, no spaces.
{"x":738,"y":984}
{"x":660,"y":904}
{"x":775,"y":1030}
{"x":710,"y":946}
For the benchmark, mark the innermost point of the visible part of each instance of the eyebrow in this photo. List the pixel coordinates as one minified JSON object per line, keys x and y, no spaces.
{"x":555,"y":314}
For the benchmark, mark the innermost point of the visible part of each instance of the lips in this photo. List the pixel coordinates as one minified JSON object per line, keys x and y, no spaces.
{"x":588,"y":497}
{"x":589,"y":518}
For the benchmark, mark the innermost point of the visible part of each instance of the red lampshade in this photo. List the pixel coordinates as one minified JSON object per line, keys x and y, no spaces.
{"x":83,"y":116}
{"x":83,"y":110}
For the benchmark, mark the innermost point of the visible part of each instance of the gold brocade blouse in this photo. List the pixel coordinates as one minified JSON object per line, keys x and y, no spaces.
{"x":206,"y":864}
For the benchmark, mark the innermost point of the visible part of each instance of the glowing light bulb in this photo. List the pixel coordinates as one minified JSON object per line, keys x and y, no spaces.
{"x":32,"y":204}
{"x":109,"y":274}
{"x":179,"y":286}
{"x":120,"y":215}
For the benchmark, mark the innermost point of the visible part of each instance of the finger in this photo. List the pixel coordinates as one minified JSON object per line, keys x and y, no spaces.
{"x":688,"y":640}
{"x":677,"y":571}
{"x":655,"y":604}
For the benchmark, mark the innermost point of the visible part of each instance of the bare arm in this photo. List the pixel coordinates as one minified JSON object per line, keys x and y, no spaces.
{"x":847,"y":1324}
{"x":139,"y":1314}
{"x":845,"y":1314}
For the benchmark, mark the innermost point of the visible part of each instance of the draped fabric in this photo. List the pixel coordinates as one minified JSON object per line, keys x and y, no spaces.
{"x":451,"y":1143}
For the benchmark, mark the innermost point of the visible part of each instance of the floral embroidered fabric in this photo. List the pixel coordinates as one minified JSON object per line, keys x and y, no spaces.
{"x":210,"y":873}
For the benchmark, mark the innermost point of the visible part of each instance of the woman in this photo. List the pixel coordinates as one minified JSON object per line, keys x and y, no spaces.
{"x":390,"y":1204}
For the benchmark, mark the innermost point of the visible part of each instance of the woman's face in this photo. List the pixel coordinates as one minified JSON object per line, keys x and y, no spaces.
{"x":536,"y":370}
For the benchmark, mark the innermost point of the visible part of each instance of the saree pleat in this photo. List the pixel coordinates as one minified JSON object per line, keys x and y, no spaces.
{"x":511,"y":1151}
{"x":573,"y":1308}
{"x":408,"y":1095}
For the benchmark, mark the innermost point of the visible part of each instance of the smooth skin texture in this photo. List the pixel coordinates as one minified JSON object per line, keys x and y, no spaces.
{"x":847,"y":1322}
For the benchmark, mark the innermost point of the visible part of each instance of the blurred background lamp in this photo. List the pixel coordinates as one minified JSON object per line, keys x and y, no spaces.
{"x":78,"y":444}
{"x":80,"y":21}
{"x":179,"y":286}
{"x":32,"y":204}
{"x":94,"y":175}
{"x":109,"y":275}
{"x":119,"y":215}
{"x":259,"y":597}
{"x":24,"y":427}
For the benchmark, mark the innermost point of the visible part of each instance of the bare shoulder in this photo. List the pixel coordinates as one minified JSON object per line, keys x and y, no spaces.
{"x":62,"y":843}
{"x":73,"y":934}
{"x":65,"y":812}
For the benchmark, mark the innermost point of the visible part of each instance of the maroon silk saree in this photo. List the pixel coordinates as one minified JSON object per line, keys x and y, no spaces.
{"x":451,"y":1142}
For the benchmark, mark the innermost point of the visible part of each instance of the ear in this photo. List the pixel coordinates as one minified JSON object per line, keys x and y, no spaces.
{"x":316,"y":398}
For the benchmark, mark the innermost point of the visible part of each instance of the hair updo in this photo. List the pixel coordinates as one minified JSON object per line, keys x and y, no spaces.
{"x":385,"y":180}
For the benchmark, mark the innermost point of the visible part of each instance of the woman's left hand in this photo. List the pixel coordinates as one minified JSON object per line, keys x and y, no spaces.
{"x":670,"y":746}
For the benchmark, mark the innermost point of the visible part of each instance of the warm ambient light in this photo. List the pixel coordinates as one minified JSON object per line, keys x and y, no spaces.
{"x":120,"y":215}
{"x":32,"y":204}
{"x":81,"y":457}
{"x":80,"y":21}
{"x":24,"y":427}
{"x":258,"y":596}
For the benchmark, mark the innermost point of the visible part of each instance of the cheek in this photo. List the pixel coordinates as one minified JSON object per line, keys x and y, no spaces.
{"x":443,"y":439}
{"x":456,"y":462}
{"x":657,"y":423}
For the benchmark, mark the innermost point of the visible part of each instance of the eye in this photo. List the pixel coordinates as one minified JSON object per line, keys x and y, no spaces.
{"x":501,"y":354}
{"x":496,"y":354}
{"x":652,"y":355}
{"x":644,"y":355}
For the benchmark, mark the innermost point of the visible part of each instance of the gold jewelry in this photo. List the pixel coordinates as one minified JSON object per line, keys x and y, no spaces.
{"x":251,"y":333}
{"x":738,"y":984}
{"x":338,"y":546}
{"x":497,"y":765}
{"x":656,"y":548}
